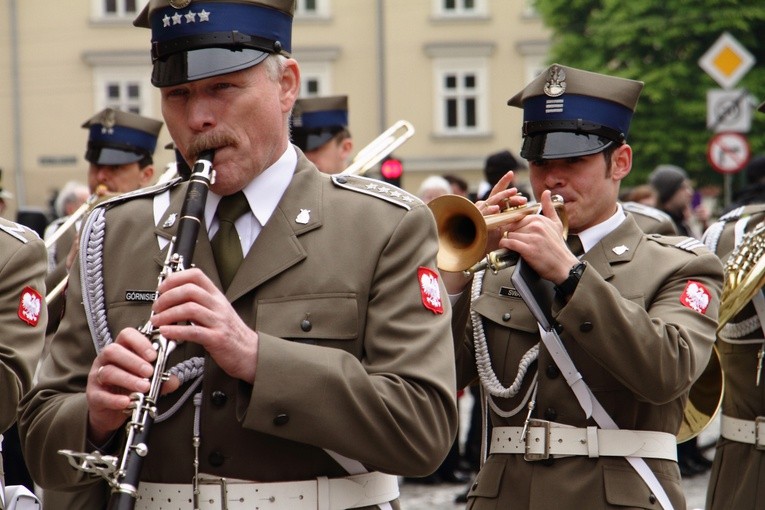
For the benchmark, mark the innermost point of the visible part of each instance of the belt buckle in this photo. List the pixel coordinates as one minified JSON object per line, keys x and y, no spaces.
{"x":760,"y":420}
{"x":535,"y":423}
{"x":213,"y":481}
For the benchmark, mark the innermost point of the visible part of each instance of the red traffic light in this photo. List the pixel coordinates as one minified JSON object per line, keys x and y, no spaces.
{"x":391,"y":168}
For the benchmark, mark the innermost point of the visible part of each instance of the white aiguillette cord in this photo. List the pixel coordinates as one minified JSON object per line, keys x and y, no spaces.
{"x":594,"y":409}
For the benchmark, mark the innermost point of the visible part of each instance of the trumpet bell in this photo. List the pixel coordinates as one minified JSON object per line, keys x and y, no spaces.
{"x":704,"y":400}
{"x":463,"y":232}
{"x":461,"y":241}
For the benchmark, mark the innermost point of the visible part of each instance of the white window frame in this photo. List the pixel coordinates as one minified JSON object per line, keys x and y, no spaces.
{"x":323,"y":10}
{"x":98,"y":10}
{"x":321,"y":72}
{"x":479,"y":9}
{"x":123,"y":75}
{"x":461,"y":67}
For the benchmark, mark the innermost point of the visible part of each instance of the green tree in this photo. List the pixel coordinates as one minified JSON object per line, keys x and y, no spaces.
{"x":660,"y":43}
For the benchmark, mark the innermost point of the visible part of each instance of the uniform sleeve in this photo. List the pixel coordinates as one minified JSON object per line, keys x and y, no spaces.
{"x":660,"y":341}
{"x":57,"y":402}
{"x":400,"y":396}
{"x":23,"y":317}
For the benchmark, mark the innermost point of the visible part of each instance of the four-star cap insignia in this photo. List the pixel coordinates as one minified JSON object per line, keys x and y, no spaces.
{"x":620,"y":250}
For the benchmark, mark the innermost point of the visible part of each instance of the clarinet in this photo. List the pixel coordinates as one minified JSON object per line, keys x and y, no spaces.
{"x":123,"y":473}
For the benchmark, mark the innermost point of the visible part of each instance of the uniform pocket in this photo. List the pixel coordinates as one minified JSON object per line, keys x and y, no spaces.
{"x":314,"y":317}
{"x":625,"y":488}
{"x":489,"y":479}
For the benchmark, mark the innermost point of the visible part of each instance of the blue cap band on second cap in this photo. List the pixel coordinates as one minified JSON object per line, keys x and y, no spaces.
{"x":599,"y":111}
{"x":123,"y":136}
{"x":326,"y":118}
{"x":248,"y":19}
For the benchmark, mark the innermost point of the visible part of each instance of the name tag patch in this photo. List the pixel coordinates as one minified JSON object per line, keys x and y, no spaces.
{"x":144,"y":296}
{"x":509,"y":292}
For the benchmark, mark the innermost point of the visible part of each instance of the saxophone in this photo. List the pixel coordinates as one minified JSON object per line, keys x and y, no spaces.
{"x":123,"y":473}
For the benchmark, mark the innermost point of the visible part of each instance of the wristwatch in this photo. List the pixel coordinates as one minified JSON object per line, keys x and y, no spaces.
{"x":567,"y":287}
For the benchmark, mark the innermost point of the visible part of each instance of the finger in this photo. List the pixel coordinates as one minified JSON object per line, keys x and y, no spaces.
{"x":503,"y":182}
{"x":114,"y":379}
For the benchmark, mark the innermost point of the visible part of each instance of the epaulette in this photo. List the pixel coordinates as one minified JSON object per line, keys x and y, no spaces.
{"x":18,"y":231}
{"x":375,"y":188}
{"x":140,"y":192}
{"x":689,"y":244}
{"x":646,"y":210}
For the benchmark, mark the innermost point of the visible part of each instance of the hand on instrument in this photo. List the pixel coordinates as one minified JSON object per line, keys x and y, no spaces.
{"x":500,"y":198}
{"x":191,"y":308}
{"x":121,"y":368}
{"x":538,"y":239}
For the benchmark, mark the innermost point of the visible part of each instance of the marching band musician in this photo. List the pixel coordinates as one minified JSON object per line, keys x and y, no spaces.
{"x":120,"y":154}
{"x":737,"y":479}
{"x":584,"y":411}
{"x":23,"y":263}
{"x":311,"y":370}
{"x":320,"y":130}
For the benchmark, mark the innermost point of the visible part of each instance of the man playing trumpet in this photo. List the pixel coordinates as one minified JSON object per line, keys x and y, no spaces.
{"x":586,"y":411}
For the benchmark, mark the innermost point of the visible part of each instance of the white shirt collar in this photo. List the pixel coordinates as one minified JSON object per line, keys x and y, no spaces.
{"x":593,"y":235}
{"x":264,"y":192}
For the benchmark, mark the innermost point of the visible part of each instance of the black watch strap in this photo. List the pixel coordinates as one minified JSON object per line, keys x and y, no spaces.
{"x":567,"y":287}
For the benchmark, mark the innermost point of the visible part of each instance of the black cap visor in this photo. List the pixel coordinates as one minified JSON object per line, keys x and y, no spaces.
{"x":312,"y":140}
{"x":186,"y":66}
{"x":109,"y":156}
{"x":562,"y":144}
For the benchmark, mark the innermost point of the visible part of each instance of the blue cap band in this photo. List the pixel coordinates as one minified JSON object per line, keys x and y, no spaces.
{"x":326,"y":118}
{"x":573,"y":107}
{"x":169,"y":23}
{"x":123,"y":136}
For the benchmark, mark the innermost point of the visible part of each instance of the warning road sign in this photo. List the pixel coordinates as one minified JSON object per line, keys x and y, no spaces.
{"x":728,"y":153}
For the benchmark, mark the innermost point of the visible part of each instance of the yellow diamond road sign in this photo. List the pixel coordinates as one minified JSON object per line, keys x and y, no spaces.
{"x":727,"y":61}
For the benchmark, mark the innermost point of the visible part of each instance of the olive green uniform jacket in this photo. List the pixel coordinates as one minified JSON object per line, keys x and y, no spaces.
{"x":637,"y":347}
{"x":23,"y":316}
{"x":57,"y":272}
{"x":738,"y":473}
{"x":350,"y":358}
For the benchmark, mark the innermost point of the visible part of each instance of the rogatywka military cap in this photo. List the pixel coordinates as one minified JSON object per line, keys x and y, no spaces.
{"x":568,"y":112}
{"x":315,"y":120}
{"x":118,"y":137}
{"x":196,"y":39}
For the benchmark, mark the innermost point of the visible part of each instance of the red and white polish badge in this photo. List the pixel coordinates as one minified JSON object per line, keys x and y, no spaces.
{"x":430,"y":290}
{"x":696,"y":297}
{"x":30,"y":306}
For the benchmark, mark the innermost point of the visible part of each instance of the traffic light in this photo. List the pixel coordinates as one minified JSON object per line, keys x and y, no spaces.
{"x":391,"y":171}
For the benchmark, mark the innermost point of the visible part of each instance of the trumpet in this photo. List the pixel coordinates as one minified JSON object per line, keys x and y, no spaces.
{"x":390,"y":139}
{"x":463,"y":232}
{"x":81,"y":211}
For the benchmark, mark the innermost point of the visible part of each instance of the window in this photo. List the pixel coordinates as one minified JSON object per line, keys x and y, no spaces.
{"x":123,"y":88}
{"x":460,"y":91}
{"x":116,"y":9}
{"x":312,"y":9}
{"x":315,"y":79}
{"x":459,"y":8}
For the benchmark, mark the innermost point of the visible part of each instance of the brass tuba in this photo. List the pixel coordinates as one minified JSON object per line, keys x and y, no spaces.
{"x":744,"y":274}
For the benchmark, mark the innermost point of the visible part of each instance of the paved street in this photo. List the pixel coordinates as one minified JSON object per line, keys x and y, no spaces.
{"x":441,"y":497}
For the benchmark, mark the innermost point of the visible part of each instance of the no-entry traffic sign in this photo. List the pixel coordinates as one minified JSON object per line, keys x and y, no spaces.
{"x":728,"y":153}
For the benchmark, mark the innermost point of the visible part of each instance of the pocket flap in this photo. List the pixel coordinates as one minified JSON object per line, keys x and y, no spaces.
{"x":496,"y":308}
{"x":624,"y":487}
{"x":318,"y":317}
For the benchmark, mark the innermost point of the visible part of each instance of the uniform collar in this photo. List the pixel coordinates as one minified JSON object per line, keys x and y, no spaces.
{"x":265,"y":191}
{"x":593,"y":235}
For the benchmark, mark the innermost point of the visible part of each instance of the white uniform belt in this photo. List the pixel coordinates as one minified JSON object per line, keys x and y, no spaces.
{"x":744,"y":431}
{"x":545,"y":439}
{"x":228,"y":494}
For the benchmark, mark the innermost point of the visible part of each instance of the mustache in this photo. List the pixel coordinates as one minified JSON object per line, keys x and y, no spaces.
{"x":210,"y":141}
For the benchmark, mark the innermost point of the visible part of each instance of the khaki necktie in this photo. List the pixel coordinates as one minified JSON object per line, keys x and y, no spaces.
{"x":226,"y":246}
{"x":575,"y":245}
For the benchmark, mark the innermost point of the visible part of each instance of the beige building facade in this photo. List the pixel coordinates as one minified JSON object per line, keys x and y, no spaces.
{"x":445,"y":66}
